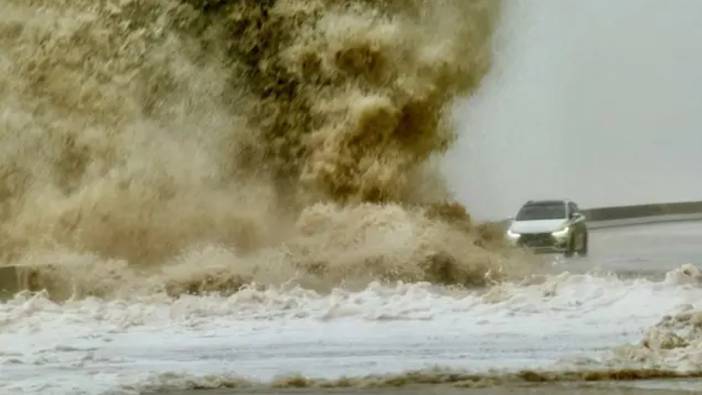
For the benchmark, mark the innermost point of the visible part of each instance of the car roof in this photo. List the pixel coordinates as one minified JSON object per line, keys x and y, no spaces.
{"x":540,"y":202}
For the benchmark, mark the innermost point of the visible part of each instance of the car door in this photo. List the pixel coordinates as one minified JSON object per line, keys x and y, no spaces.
{"x":576,"y":218}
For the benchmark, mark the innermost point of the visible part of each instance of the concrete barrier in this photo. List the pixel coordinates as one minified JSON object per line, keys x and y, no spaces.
{"x":663,"y":212}
{"x":643,"y":220}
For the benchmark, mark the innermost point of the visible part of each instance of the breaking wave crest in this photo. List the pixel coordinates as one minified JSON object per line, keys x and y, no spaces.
{"x":333,"y":246}
{"x":236,"y":141}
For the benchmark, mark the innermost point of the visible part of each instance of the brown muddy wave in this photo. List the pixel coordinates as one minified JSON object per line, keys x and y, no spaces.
{"x":431,"y":379}
{"x":194,"y":145}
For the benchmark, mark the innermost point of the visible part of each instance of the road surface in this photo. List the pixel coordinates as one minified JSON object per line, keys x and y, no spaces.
{"x":648,"y":250}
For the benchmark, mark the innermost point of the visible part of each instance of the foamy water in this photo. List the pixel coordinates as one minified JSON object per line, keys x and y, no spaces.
{"x":557,"y":322}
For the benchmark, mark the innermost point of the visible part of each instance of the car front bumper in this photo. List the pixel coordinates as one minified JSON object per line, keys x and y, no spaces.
{"x":542,"y":243}
{"x":549,"y":250}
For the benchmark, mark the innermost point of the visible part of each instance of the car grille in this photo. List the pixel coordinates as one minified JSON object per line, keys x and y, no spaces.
{"x":536,"y":240}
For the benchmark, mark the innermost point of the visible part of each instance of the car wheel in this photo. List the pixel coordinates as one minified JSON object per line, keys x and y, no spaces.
{"x":571,"y":247}
{"x":584,"y":246}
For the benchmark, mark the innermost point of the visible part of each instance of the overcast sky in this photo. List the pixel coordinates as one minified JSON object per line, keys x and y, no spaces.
{"x":599,"y":101}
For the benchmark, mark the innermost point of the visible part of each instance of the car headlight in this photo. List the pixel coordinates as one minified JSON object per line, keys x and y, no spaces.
{"x":513,"y":235}
{"x":561,"y":233}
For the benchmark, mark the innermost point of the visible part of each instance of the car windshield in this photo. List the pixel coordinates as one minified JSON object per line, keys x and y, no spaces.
{"x":546,"y":210}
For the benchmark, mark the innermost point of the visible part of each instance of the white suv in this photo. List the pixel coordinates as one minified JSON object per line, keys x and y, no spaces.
{"x":550,"y":226}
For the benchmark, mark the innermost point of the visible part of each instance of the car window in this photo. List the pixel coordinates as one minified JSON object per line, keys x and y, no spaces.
{"x":572,"y":208}
{"x":546,"y":210}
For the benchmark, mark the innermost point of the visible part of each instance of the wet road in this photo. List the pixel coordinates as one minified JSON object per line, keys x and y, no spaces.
{"x":648,"y":250}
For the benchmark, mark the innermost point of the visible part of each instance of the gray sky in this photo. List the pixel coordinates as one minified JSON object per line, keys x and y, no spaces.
{"x":599,"y":101}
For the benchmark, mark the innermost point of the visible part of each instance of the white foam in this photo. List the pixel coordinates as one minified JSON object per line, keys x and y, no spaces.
{"x":99,"y":345}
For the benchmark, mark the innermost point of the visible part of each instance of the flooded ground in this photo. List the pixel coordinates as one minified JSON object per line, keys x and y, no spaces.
{"x":360,"y":341}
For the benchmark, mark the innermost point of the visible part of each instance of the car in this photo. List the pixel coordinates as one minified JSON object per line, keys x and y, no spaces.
{"x":550,"y":226}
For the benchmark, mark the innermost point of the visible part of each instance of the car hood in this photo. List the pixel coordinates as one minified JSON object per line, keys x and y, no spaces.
{"x":538,"y":226}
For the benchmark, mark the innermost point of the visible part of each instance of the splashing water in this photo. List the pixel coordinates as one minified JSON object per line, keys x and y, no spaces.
{"x":199,"y":145}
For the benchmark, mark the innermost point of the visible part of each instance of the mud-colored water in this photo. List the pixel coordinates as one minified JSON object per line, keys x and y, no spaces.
{"x":202,"y":145}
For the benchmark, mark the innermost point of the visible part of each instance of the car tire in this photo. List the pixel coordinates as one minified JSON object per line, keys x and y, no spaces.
{"x":584,"y":248}
{"x":571,"y":247}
